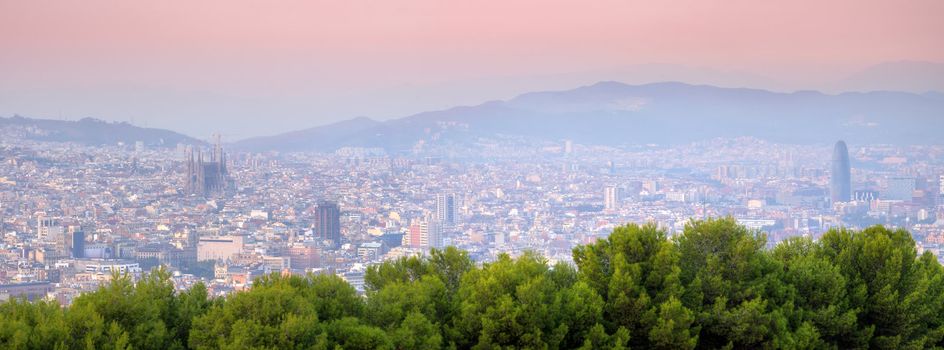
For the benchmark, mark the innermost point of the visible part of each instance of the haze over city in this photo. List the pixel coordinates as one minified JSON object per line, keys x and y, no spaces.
{"x":249,"y":69}
{"x":471,"y":175}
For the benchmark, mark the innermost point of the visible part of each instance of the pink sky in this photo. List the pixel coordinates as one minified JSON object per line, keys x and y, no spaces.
{"x":290,"y":52}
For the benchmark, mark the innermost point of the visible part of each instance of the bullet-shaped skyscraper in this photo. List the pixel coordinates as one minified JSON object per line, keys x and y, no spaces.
{"x":840,"y":180}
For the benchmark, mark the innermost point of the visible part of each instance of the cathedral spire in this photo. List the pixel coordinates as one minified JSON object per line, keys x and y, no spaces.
{"x":190,"y":171}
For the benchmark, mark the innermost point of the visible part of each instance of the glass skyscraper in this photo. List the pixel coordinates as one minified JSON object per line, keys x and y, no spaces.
{"x":840,"y":180}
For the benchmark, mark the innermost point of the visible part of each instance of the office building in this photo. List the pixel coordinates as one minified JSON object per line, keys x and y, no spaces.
{"x":447,"y":209}
{"x":431,"y":234}
{"x":900,"y":188}
{"x":840,"y":180}
{"x":70,"y":244}
{"x":328,"y":223}
{"x":48,"y":229}
{"x":611,"y":197}
{"x":940,"y":185}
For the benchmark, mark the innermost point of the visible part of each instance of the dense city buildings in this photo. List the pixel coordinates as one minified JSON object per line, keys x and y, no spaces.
{"x":71,"y":215}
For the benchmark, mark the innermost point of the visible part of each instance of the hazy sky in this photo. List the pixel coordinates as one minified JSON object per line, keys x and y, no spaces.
{"x":248,"y":68}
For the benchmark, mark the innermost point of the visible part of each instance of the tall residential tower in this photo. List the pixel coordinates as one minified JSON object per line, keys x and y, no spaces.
{"x":447,"y":209}
{"x":611,"y":197}
{"x":328,"y":223}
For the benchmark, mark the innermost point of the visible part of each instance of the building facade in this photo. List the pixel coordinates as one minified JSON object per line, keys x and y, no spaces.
{"x":447,"y":209}
{"x":328,"y":223}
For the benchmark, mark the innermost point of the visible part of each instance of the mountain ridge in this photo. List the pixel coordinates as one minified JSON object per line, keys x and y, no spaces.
{"x":611,"y":112}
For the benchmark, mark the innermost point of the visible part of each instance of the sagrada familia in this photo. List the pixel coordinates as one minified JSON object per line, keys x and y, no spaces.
{"x":208,"y":178}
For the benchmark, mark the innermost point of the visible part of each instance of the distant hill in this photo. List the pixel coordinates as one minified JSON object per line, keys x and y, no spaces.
{"x":90,"y":131}
{"x":612,"y":113}
{"x":326,"y":137}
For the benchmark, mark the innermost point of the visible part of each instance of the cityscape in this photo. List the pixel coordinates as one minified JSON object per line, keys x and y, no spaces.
{"x":471,"y":175}
{"x":72,"y":214}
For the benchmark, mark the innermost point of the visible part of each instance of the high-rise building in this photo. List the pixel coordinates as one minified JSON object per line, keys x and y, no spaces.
{"x":207,"y":178}
{"x":900,"y":188}
{"x":840,"y":180}
{"x":611,"y":197}
{"x":48,"y":229}
{"x":328,"y":223}
{"x":430,"y":234}
{"x":424,"y":233}
{"x":63,"y":243}
{"x":74,"y":244}
{"x":940,"y":185}
{"x":568,"y":147}
{"x":447,"y":209}
{"x":412,"y":238}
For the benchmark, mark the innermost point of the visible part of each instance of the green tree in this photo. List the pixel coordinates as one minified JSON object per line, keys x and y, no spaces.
{"x":635,"y":270}
{"x":673,"y":327}
{"x":423,"y":284}
{"x":818,"y":292}
{"x":889,"y":284}
{"x":389,"y":306}
{"x":417,"y":332}
{"x":715,"y":285}
{"x":349,"y":333}
{"x":39,"y":325}
{"x":145,"y":312}
{"x":281,"y":312}
{"x":728,"y":279}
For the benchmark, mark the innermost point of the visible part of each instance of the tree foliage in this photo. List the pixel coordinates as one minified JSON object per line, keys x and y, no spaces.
{"x":714,"y":285}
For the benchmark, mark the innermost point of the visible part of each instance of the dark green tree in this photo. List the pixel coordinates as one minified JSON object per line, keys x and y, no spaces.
{"x":281,"y":312}
{"x":887,"y":281}
{"x":635,"y":270}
